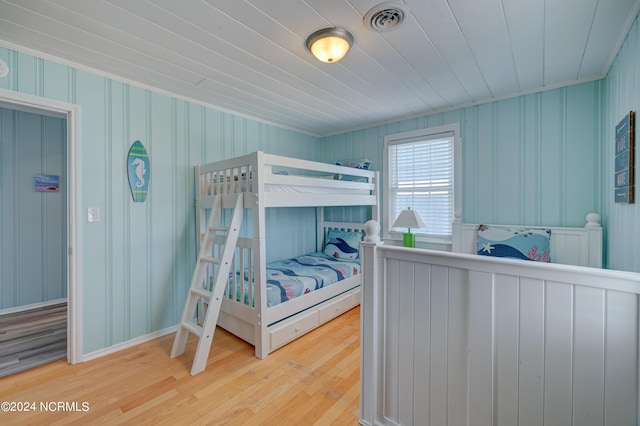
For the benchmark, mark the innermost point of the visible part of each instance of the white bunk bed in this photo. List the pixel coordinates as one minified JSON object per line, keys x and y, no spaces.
{"x":271,"y":181}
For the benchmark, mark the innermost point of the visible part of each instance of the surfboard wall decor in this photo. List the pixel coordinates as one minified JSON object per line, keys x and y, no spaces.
{"x":138,"y":169}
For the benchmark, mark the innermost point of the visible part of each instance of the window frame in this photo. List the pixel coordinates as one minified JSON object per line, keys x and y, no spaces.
{"x":410,"y":136}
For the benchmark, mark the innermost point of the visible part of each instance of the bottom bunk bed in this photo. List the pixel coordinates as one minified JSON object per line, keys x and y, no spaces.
{"x":302,"y":292}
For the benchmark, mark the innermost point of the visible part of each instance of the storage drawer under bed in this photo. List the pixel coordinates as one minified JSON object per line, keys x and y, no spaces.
{"x":284,"y":333}
{"x":338,"y":306}
{"x":292,"y":328}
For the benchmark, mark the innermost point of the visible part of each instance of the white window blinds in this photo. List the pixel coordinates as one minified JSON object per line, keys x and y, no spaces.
{"x":421,"y":174}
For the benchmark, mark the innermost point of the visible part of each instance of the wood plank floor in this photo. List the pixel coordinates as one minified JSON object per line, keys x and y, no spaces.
{"x":314,"y":380}
{"x":32,"y":337}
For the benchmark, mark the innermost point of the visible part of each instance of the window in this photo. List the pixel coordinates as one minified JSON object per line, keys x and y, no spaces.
{"x":421,"y":173}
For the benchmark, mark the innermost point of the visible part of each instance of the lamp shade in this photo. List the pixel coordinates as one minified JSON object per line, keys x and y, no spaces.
{"x":329,"y":45}
{"x":409,"y":219}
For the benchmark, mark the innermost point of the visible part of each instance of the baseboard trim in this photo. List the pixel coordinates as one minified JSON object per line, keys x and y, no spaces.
{"x":129,"y":343}
{"x":36,"y":305}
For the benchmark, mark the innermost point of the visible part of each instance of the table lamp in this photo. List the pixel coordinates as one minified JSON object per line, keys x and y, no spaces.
{"x":409,"y":219}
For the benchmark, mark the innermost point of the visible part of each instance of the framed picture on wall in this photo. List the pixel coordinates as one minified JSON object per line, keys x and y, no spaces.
{"x":46,"y":183}
{"x":624,"y":164}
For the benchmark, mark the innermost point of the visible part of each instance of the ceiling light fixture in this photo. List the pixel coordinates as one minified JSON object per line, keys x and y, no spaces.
{"x":329,"y":45}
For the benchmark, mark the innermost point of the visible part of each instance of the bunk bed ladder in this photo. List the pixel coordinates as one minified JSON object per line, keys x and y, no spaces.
{"x":199,"y":291}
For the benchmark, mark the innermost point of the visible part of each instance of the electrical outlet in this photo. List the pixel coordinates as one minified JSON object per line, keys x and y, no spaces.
{"x":93,"y":214}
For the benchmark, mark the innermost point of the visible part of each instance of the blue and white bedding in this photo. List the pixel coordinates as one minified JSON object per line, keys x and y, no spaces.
{"x":291,"y":278}
{"x":526,"y":244}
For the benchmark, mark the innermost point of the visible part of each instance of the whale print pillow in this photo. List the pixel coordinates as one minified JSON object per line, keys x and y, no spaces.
{"x":527,"y":244}
{"x":360,"y":163}
{"x":343,"y":244}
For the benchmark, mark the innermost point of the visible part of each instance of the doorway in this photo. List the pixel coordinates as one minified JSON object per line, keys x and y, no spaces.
{"x":33,"y":247}
{"x":70,"y":114}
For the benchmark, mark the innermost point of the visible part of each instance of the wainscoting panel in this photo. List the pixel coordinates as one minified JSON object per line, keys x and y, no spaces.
{"x":452,"y":339}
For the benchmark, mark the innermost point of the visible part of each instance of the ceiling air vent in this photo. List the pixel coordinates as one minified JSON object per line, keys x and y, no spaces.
{"x":386,"y":16}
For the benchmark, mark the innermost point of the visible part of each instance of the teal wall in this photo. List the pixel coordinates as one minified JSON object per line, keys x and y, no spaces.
{"x":621,"y":95}
{"x":138,"y":260}
{"x":531,"y":160}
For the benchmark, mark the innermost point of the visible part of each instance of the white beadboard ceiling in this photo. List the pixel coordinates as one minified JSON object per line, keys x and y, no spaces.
{"x":249,"y":57}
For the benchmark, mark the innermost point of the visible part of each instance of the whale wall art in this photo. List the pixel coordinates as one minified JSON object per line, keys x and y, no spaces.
{"x":139,"y":171}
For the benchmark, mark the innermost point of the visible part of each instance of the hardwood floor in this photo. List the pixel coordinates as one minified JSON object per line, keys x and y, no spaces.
{"x":314,"y":380}
{"x":32,"y":337}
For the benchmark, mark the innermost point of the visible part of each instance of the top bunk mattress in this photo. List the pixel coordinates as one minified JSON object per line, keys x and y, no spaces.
{"x":300,"y":189}
{"x":273,"y":179}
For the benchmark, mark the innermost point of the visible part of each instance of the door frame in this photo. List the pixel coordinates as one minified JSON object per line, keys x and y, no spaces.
{"x":72,"y":114}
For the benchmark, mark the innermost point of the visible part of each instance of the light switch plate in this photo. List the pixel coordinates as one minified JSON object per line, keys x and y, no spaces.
{"x":93,"y":214}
